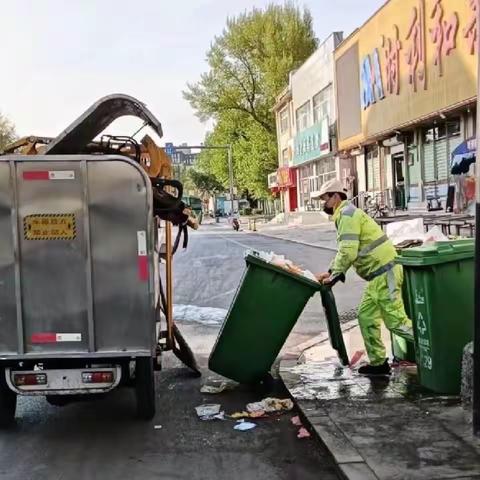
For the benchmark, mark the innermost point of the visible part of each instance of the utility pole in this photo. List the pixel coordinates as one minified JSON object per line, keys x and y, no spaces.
{"x":230,"y":175}
{"x":476,"y":336}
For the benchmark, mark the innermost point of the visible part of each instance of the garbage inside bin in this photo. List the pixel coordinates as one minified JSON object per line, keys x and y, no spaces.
{"x":265,"y":308}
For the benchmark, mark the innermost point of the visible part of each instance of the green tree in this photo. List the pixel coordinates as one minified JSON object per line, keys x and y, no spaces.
{"x":7,"y":132}
{"x":205,"y":184}
{"x":249,"y":64}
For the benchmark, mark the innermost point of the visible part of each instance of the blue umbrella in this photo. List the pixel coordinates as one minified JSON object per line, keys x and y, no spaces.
{"x":463,"y":156}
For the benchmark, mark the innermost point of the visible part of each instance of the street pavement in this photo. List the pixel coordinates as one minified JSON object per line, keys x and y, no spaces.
{"x":101,"y":439}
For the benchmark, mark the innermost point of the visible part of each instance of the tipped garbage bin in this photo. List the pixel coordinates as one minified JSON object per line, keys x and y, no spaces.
{"x":266,"y":306}
{"x":439,"y":285}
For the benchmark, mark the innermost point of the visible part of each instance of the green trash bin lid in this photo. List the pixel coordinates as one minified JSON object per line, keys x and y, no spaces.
{"x":437,"y":253}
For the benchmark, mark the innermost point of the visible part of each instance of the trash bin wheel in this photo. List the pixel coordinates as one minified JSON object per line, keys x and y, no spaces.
{"x":8,"y":402}
{"x":145,"y":388}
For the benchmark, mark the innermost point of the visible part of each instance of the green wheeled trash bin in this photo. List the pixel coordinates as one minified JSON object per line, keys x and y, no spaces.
{"x":439,"y":285}
{"x":266,"y":306}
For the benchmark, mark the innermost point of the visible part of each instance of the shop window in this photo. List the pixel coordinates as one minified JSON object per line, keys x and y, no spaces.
{"x":409,"y":138}
{"x":303,"y":116}
{"x":284,"y":123}
{"x":453,"y":128}
{"x":285,"y":158}
{"x":448,"y":129}
{"x":326,"y":165}
{"x":428,"y":135}
{"x":305,"y":186}
{"x":321,"y":105}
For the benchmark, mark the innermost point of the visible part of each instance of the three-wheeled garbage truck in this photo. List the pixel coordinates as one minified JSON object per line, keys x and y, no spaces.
{"x":85,"y":253}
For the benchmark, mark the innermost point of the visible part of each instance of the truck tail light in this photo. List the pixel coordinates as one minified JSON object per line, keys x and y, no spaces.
{"x":97,"y":377}
{"x":21,"y":379}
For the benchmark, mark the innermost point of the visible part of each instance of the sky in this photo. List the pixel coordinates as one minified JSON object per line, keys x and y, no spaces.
{"x":59,"y":56}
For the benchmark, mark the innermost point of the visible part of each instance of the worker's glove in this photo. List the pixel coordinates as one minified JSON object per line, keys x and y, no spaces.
{"x":333,"y":279}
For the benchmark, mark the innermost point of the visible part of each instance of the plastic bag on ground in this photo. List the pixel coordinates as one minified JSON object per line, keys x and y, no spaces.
{"x":208,"y":409}
{"x":243,"y":426}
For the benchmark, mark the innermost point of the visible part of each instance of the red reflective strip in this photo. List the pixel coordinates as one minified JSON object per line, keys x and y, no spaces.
{"x":143,"y":268}
{"x":44,"y":338}
{"x":36,"y":175}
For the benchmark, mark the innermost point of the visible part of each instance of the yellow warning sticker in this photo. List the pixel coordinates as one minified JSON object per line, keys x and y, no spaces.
{"x":54,"y":226}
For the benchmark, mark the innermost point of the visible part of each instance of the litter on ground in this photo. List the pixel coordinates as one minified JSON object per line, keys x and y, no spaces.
{"x":270,"y":405}
{"x":243,"y":426}
{"x":218,"y":416}
{"x":217,"y":386}
{"x":296,"y":421}
{"x":208,"y":409}
{"x":303,"y":433}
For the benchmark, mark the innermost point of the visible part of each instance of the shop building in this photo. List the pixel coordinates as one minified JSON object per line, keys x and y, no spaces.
{"x":306,"y":130}
{"x":406,"y":93}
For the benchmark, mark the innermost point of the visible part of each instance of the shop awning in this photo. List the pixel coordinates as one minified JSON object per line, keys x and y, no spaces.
{"x":463,"y":156}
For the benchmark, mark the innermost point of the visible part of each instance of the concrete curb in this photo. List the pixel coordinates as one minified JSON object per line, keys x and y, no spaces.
{"x":331,"y":249}
{"x":349,"y":462}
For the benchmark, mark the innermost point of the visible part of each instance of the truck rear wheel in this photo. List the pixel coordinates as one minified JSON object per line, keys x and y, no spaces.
{"x":8,"y":402}
{"x":145,"y":388}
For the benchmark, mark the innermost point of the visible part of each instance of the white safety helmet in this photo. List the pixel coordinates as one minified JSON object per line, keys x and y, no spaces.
{"x":332,"y":186}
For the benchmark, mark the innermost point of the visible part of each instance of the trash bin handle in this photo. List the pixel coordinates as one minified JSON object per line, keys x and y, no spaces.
{"x":335,"y":279}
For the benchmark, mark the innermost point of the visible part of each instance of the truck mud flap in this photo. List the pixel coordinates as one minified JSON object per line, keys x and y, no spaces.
{"x":183,"y":352}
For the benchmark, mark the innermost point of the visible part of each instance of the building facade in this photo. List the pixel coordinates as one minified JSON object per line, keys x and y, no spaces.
{"x":406,"y":85}
{"x":306,"y":130}
{"x":313,"y":99}
{"x":283,"y":181}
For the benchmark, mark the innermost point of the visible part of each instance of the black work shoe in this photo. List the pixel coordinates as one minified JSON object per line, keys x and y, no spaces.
{"x":383,"y":369}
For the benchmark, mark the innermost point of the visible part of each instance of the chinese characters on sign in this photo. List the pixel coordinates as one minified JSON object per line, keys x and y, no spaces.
{"x":470,"y":32}
{"x":371,"y":76}
{"x":443,"y":34}
{"x":312,"y":143}
{"x":415,"y":55}
{"x":438,"y":26}
{"x":286,"y":177}
{"x":392,"y":48}
{"x":50,"y":227}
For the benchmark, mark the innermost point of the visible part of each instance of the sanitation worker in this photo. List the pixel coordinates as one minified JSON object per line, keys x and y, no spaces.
{"x":363,"y":245}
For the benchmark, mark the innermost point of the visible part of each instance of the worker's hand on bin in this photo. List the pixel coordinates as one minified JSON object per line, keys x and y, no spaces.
{"x":323,"y":277}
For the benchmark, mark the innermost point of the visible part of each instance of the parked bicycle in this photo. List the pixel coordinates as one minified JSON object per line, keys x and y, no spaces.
{"x":374,"y":206}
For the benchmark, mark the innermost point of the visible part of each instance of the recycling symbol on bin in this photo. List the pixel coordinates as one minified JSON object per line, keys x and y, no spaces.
{"x":422,"y":326}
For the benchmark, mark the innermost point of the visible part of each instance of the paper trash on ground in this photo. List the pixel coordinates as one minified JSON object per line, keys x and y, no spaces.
{"x":303,"y":433}
{"x":296,"y":421}
{"x":270,"y":405}
{"x":240,"y":415}
{"x":218,"y":416}
{"x":208,"y":409}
